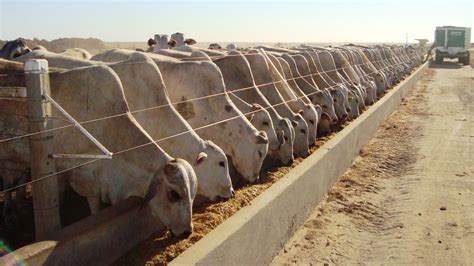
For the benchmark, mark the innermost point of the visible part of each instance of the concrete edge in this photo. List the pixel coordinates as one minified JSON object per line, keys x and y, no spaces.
{"x":257,"y":232}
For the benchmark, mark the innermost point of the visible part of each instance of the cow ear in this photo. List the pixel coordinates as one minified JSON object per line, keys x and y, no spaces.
{"x":300,"y":112}
{"x":254,"y":107}
{"x":152,"y":189}
{"x":325,"y":116}
{"x":171,"y":168}
{"x":200,"y":158}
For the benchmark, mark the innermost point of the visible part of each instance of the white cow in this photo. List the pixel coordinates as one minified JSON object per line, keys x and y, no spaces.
{"x":263,"y":79}
{"x":318,"y":97}
{"x":76,"y":53}
{"x":237,"y":75}
{"x":168,"y":185}
{"x":297,"y":105}
{"x":144,"y":89}
{"x":186,"y":81}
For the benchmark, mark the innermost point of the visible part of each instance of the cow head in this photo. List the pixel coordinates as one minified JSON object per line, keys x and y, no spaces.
{"x":250,"y":161}
{"x":325,"y":122}
{"x":179,"y":38}
{"x":151,"y":42}
{"x":301,"y":147}
{"x":310,"y":115}
{"x":171,"y":194}
{"x":380,"y":82}
{"x":161,"y":41}
{"x":261,"y":120}
{"x":339,"y":107}
{"x":286,"y":137}
{"x":324,"y":99}
{"x":215,"y":46}
{"x":15,"y":48}
{"x":354,"y":104}
{"x":371,"y":90}
{"x":212,"y":168}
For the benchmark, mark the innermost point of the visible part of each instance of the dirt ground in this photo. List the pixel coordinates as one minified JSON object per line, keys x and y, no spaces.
{"x":409,"y":196}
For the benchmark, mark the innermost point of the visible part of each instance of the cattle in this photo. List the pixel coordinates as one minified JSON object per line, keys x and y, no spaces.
{"x":13,"y":49}
{"x":139,"y":166}
{"x":39,"y":47}
{"x":318,"y":97}
{"x":302,"y":98}
{"x":173,"y":53}
{"x":263,"y":79}
{"x":238,"y":75}
{"x":308,"y":69}
{"x":76,"y":53}
{"x":231,"y":46}
{"x":364,"y":80}
{"x":14,"y":161}
{"x":324,"y":63}
{"x":260,"y":119}
{"x":160,"y":42}
{"x":369,"y":69}
{"x":215,"y":46}
{"x":246,"y":146}
{"x":210,"y":52}
{"x":54,"y":59}
{"x":144,"y":89}
{"x":297,"y":105}
{"x":323,"y":80}
{"x":202,"y":80}
{"x":179,"y":38}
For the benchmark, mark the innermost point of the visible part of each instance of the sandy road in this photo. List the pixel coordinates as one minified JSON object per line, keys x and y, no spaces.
{"x":409,"y":196}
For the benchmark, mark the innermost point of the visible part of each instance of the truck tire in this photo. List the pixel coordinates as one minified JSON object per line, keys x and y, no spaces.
{"x":466,"y":59}
{"x":438,"y":59}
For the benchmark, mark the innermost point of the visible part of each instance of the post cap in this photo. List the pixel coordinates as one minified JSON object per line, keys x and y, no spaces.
{"x":33,"y":66}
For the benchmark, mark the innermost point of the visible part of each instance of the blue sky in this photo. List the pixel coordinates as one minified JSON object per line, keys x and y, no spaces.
{"x":245,"y":21}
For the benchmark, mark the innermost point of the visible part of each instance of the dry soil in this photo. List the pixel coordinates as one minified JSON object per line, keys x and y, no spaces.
{"x":409,"y":196}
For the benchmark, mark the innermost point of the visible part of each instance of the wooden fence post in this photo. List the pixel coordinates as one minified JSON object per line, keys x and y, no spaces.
{"x":45,"y":192}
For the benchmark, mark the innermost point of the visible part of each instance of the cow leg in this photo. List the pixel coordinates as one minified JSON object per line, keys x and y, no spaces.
{"x":94,"y":203}
{"x":20,"y":198}
{"x":9,"y":216}
{"x":89,"y":187}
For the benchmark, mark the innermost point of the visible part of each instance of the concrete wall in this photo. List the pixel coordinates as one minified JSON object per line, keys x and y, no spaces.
{"x":257,"y":232}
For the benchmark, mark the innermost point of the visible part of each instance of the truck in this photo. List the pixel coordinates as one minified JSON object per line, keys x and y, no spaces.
{"x":452,"y":42}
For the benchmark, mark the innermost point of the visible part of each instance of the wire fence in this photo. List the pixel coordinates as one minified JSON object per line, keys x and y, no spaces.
{"x":183,"y":101}
{"x":39,"y":179}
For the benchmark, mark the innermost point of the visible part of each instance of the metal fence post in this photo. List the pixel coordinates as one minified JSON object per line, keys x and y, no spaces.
{"x":45,"y":192}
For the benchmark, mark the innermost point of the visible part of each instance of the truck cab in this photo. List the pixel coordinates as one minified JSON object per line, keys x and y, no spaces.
{"x":452,"y":42}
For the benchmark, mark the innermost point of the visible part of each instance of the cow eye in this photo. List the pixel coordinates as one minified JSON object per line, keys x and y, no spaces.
{"x":222,"y":164}
{"x":286,"y":138}
{"x":311,"y":121}
{"x":325,"y":106}
{"x":173,"y":196}
{"x":265,"y":123}
{"x":260,"y":154}
{"x":335,"y":100}
{"x":303,"y":131}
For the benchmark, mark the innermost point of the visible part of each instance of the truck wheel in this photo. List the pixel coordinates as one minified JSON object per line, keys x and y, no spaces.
{"x":438,"y":59}
{"x":465,"y":60}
